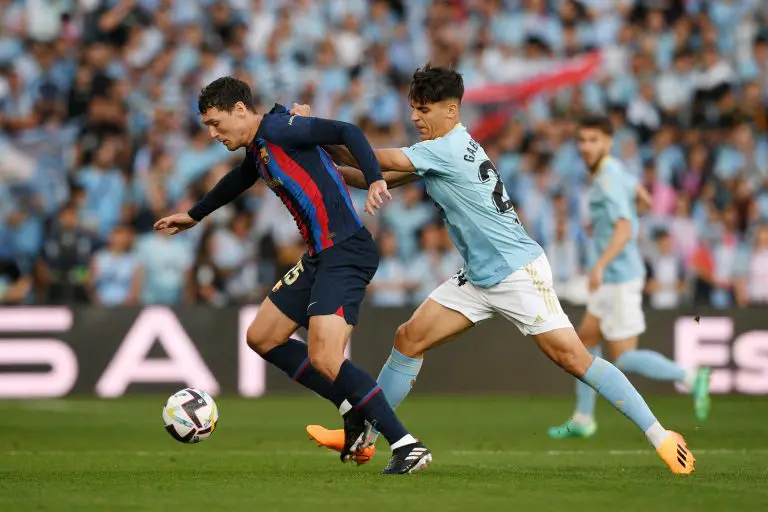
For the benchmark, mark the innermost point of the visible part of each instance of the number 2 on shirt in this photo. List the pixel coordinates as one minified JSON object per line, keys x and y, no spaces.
{"x":486,"y":170}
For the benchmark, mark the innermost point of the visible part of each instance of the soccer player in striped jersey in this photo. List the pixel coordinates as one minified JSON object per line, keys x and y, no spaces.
{"x":324,"y":290}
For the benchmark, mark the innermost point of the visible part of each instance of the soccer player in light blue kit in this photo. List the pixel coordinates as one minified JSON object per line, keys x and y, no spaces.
{"x":505,"y":272}
{"x":616,"y":281}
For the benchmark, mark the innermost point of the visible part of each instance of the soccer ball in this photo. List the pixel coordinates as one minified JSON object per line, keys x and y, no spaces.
{"x":190,"y":415}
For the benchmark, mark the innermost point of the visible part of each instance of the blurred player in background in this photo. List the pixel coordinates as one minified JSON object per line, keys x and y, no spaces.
{"x":506,"y":271}
{"x":616,"y":281}
{"x":322,"y":293}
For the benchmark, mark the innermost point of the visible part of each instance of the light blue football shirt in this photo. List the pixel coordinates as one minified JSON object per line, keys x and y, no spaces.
{"x":482,"y":223}
{"x":612,"y":197}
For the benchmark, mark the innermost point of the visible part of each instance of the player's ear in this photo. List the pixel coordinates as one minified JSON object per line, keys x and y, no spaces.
{"x":240,"y":109}
{"x":453,"y":110}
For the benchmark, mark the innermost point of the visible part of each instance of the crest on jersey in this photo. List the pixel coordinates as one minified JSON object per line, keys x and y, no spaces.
{"x":264,"y":155}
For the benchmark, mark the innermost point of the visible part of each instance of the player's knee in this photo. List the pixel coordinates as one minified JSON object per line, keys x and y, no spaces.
{"x":259,"y":341}
{"x":406,"y":343}
{"x":325,"y":362}
{"x":575,"y":360}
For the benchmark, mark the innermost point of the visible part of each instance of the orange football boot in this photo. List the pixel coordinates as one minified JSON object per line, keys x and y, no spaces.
{"x":675,"y":453}
{"x":334,"y":440}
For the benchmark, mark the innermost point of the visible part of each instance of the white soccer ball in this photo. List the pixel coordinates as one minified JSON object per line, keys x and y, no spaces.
{"x":190,"y":415}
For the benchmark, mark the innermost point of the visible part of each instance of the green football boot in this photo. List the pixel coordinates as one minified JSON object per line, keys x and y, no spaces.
{"x":572,"y":429}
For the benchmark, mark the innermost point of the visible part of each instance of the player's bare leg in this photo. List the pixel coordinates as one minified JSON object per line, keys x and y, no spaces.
{"x":269,"y":328}
{"x":565,"y":348}
{"x":328,"y":337}
{"x":431,"y":325}
{"x":269,"y":335}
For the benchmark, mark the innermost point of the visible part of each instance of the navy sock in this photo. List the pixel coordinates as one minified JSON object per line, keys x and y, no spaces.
{"x":366,"y":396}
{"x":292,"y":357}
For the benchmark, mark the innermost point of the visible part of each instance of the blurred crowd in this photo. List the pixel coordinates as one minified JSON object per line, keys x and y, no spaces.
{"x":100,"y":137}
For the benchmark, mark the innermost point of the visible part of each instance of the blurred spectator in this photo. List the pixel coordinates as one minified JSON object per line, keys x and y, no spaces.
{"x":752,"y":284}
{"x":727,"y":262}
{"x":565,"y":252}
{"x":62,"y":270}
{"x":682,"y":229}
{"x":665,"y":278}
{"x":14,"y":285}
{"x":98,"y":111}
{"x":390,"y":286}
{"x":105,"y":191}
{"x":115,"y":274}
{"x":206,"y":284}
{"x":233,"y":255}
{"x":431,"y":265}
{"x":166,"y":261}
{"x":406,"y":215}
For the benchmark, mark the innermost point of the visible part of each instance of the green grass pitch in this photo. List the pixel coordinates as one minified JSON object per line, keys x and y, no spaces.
{"x":489,"y":454}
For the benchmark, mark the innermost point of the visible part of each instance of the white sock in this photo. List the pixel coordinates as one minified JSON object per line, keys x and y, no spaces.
{"x":583,"y":419}
{"x":656,"y":434}
{"x":345,"y":407}
{"x":405,"y":441}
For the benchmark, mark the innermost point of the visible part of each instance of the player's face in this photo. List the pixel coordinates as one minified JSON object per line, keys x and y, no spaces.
{"x":593,"y":145}
{"x":229,"y":128}
{"x":433,"y":120}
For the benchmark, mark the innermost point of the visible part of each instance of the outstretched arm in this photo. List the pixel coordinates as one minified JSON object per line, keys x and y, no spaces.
{"x":391,"y":159}
{"x":354,"y":177}
{"x":234,"y":183}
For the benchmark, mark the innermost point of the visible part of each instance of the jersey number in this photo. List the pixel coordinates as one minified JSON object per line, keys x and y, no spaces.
{"x":486,"y":170}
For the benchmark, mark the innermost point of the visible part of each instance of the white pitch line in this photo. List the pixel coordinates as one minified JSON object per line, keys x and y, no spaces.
{"x":567,"y":453}
{"x":461,"y":453}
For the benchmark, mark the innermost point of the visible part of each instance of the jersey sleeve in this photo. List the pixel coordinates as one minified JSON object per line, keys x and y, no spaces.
{"x":428,"y":157}
{"x":234,"y":183}
{"x":616,"y":197}
{"x":298,"y":131}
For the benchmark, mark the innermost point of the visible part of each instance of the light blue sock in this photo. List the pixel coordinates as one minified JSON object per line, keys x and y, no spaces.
{"x":650,"y":364}
{"x":614,"y":386}
{"x":585,"y":395}
{"x":397,"y":377}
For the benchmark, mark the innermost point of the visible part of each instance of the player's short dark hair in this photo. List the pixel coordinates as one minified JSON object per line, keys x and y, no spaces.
{"x":223,"y":93}
{"x":601,"y":123}
{"x":431,"y":84}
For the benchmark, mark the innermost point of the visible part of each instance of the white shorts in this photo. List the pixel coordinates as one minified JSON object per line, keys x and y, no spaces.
{"x":619,"y":307}
{"x":526,"y":298}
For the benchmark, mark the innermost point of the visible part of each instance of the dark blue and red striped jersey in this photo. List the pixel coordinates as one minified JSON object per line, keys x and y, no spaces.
{"x":286,"y":153}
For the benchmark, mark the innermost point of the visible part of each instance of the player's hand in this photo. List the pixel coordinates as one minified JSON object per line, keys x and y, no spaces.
{"x":301,"y":110}
{"x":376,"y":193}
{"x":595,"y":278}
{"x":175,"y":223}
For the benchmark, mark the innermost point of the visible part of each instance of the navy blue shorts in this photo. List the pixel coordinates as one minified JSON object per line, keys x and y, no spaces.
{"x":332,"y":282}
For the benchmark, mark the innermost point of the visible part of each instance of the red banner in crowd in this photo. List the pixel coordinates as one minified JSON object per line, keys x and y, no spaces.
{"x":568,"y":74}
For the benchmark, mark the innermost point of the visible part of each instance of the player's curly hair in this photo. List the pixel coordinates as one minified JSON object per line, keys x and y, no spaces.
{"x":431,"y":84}
{"x":223,"y":93}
